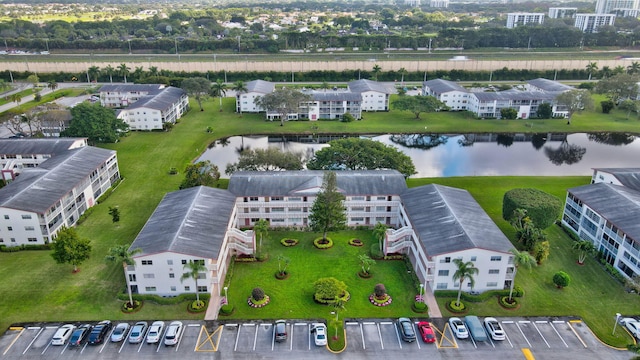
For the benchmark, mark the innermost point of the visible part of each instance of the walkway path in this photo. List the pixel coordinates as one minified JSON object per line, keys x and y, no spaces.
{"x":430,"y":299}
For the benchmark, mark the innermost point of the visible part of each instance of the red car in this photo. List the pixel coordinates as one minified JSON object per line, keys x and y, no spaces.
{"x":426,"y":332}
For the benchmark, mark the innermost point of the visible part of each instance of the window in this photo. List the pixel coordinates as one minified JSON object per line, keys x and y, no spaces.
{"x":277,"y":209}
{"x":32,"y":239}
{"x":443,"y":272}
{"x":379,"y":198}
{"x":187,"y":288}
{"x":295,"y":199}
{"x":172,"y":275}
{"x":202,"y":289}
{"x":253,"y":198}
{"x":6,"y":217}
{"x":132,"y":277}
{"x":496,"y":258}
{"x":202,"y":276}
{"x":494,"y":271}
{"x":277,"y":198}
{"x":26,"y":217}
{"x":10,"y":228}
{"x":446,"y":260}
{"x":169,"y":262}
{"x":357,"y":198}
{"x":184,"y":262}
{"x":147,"y":262}
{"x":149,"y":276}
{"x":441,"y":286}
{"x":254,"y":209}
{"x":173,"y":288}
{"x":1,"y":240}
{"x":150,"y":288}
{"x":13,"y":240}
{"x":357,"y":208}
{"x":28,"y":228}
{"x":492,"y":284}
{"x":474,"y":258}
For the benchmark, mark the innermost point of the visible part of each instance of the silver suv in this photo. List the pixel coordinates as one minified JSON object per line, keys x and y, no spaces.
{"x":280,"y":330}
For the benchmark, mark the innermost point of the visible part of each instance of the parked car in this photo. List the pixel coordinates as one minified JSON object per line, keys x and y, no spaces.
{"x":155,"y":332}
{"x":632,"y":325}
{"x":494,"y":329}
{"x":475,"y":328}
{"x":63,"y":334}
{"x":137,"y":332}
{"x":319,"y":334}
{"x":407,"y":332}
{"x":80,"y":335}
{"x":172,"y":336}
{"x":426,"y":332}
{"x":280,"y":330}
{"x":120,"y":332}
{"x":99,"y":332}
{"x":458,"y":328}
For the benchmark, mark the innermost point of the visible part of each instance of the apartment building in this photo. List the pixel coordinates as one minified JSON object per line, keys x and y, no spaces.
{"x":521,"y":19}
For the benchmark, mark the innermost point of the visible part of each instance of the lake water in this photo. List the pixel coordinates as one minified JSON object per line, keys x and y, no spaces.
{"x":439,"y":155}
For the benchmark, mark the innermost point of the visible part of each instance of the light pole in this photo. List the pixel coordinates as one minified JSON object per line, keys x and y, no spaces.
{"x":225,"y":294}
{"x":429,"y":45}
{"x":129,"y":41}
{"x":616,"y":324}
{"x":46,"y":41}
{"x":421,"y":289}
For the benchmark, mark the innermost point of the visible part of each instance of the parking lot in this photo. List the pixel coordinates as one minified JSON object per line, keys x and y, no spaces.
{"x":545,"y":338}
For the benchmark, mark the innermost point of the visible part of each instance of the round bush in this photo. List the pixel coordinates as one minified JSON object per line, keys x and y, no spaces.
{"x":504,"y":302}
{"x":257,"y":294}
{"x":226,"y":309}
{"x":126,"y":308}
{"x":321,"y":243}
{"x":542,"y":208}
{"x":289,"y":242}
{"x":356,"y":242}
{"x":561,"y":279}
{"x":451,"y":306}
{"x":419,"y":307}
{"x":197,"y":306}
{"x":379,"y":290}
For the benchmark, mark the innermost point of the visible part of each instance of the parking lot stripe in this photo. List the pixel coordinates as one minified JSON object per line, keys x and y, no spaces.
{"x":523,"y":335}
{"x":560,"y":336}
{"x":386,"y":323}
{"x":309,"y":329}
{"x":527,"y":354}
{"x":351,"y":323}
{"x":380,"y":337}
{"x":52,"y":327}
{"x":235,"y":346}
{"x":368,"y":322}
{"x":398,"y":336}
{"x":32,"y":341}
{"x":232,"y":325}
{"x":301,"y":324}
{"x":539,"y":332}
{"x":291,"y":339}
{"x":509,"y":340}
{"x":33,"y":328}
{"x":193,"y":325}
{"x":255,"y":338}
{"x":576,"y":333}
{"x":541,"y":321}
{"x":364,"y":347}
{"x":558,"y":322}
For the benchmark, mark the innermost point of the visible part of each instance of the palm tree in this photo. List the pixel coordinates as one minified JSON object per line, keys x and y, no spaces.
{"x":4,"y":85}
{"x":618,"y":70}
{"x":219,"y":89}
{"x":109,"y":71}
{"x":137,"y":73}
{"x":376,"y":70}
{"x":16,"y":98}
{"x":402,"y":73}
{"x":584,"y":247}
{"x":520,"y":258}
{"x":194,"y":268}
{"x":93,"y":73}
{"x":123,"y":254}
{"x":52,"y":85}
{"x":379,"y":232}
{"x":123,"y":70}
{"x":239,"y":87}
{"x":605,"y":72}
{"x":261,"y":228}
{"x":592,"y":68}
{"x":634,"y":68}
{"x":153,"y":71}
{"x":465,"y":271}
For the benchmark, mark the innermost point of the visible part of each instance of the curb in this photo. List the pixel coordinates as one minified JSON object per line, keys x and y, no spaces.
{"x":345,"y":344}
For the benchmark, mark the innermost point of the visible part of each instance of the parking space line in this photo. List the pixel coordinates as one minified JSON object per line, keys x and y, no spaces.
{"x":380,"y":337}
{"x":32,"y":341}
{"x":507,"y":337}
{"x":473,"y":341}
{"x":51,"y":327}
{"x":33,"y":328}
{"x":576,"y":333}
{"x":368,"y":322}
{"x":398,"y":336}
{"x":193,"y":325}
{"x":84,"y":347}
{"x":255,"y":338}
{"x":527,"y":354}
{"x":13,"y":342}
{"x":309,"y":329}
{"x":124,"y":340}
{"x":507,"y":322}
{"x":452,"y":340}
{"x":214,"y":346}
{"x":291,"y":342}
{"x":523,"y":335}
{"x":560,"y":336}
{"x":416,"y":332}
{"x":235,"y":346}
{"x":539,"y":332}
{"x":364,"y":347}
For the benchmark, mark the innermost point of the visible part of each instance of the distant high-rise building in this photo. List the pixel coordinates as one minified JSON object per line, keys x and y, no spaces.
{"x":562,"y":12}
{"x":439,"y":3}
{"x":590,"y":23}
{"x":413,"y":3}
{"x":519,"y":19}
{"x":624,"y":8}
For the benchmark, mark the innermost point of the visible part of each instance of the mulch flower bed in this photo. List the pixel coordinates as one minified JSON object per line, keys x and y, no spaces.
{"x":356,"y":242}
{"x":374,"y":301}
{"x":262,"y":304}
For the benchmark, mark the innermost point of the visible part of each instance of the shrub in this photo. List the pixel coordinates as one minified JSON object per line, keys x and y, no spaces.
{"x":257,"y":294}
{"x":379,"y":290}
{"x":289,"y":242}
{"x":542,"y":208}
{"x":451,"y":306}
{"x":226,"y":309}
{"x":356,"y":242}
{"x":375,"y":252}
{"x":517,"y":292}
{"x":347,"y":118}
{"x":419,"y":307}
{"x":320,"y":243}
{"x":197,"y":306}
{"x":561,"y":279}
{"x":163,"y":300}
{"x":504,"y":302}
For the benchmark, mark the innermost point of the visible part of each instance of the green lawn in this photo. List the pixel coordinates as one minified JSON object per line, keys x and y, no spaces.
{"x":293,"y":297}
{"x":45,"y":291}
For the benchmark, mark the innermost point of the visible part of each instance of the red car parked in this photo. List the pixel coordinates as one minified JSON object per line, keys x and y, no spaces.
{"x":426,"y":331}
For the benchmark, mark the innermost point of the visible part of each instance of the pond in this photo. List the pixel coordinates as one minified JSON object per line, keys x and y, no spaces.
{"x":442,"y":155}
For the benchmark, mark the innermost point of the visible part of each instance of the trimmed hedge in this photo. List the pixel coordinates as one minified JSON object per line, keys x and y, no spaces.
{"x":542,"y":208}
{"x":4,"y":248}
{"x":517,"y":292}
{"x":164,"y":300}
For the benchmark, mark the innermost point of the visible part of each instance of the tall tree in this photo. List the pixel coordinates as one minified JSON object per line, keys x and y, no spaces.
{"x":328,"y":211}
{"x":584,"y":248}
{"x":269,"y":159}
{"x":575,"y":101}
{"x":376,"y":70}
{"x":592,"y":67}
{"x":121,"y":253}
{"x":69,"y":248}
{"x":361,"y":154}
{"x":16,"y":98}
{"x":95,"y":122}
{"x":261,"y":228}
{"x":283,"y":101}
{"x":418,"y":104}
{"x":200,"y":173}
{"x":379,"y":232}
{"x":52,"y":85}
{"x":123,"y":70}
{"x":520,"y":258}
{"x":240,"y":88}
{"x":634,"y":68}
{"x":198,"y":88}
{"x":402,"y":73}
{"x":194,"y":268}
{"x":618,"y":87}
{"x":93,"y":73}
{"x":628,"y":106}
{"x":464,"y":271}
{"x":219,"y":89}
{"x":109,"y":71}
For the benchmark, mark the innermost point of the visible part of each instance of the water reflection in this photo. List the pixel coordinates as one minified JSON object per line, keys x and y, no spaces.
{"x":442,"y":155}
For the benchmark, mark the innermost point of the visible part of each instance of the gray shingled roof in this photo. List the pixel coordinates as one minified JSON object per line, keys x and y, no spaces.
{"x":629,"y":177}
{"x":307,"y":182}
{"x":30,"y":146}
{"x":336,"y":96}
{"x":618,"y":204}
{"x":260,"y":86}
{"x":549,"y":85}
{"x":36,"y":190}
{"x":192,"y":221}
{"x":440,"y":86}
{"x":362,"y":85}
{"x":160,"y":101}
{"x":447,"y":220}
{"x":150,"y":88}
{"x":514,"y":95}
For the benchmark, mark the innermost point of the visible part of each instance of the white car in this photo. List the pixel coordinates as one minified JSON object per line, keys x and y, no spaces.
{"x":458,"y":328}
{"x":62,"y":334}
{"x":319,"y":334}
{"x":632,"y":325}
{"x":120,"y":332}
{"x":155,"y":332}
{"x":172,"y":336}
{"x":494,"y":329}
